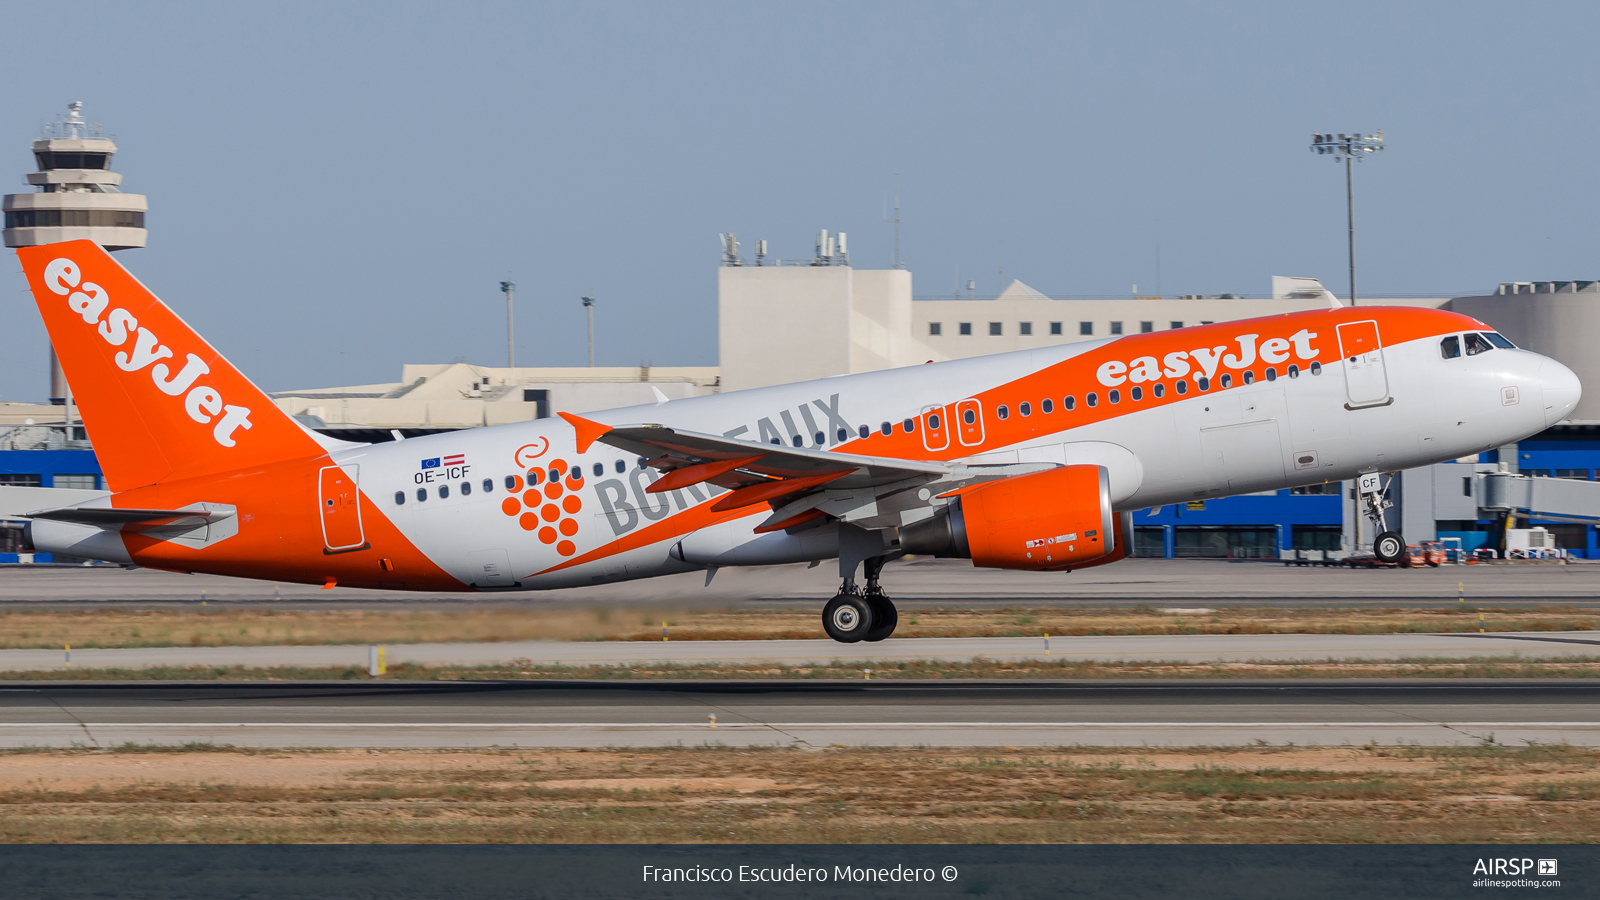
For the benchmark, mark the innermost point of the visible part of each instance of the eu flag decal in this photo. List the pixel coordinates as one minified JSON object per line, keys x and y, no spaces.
{"x":431,"y":463}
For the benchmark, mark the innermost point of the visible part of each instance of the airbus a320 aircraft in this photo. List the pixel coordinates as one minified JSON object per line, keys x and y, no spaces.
{"x":1026,"y":460}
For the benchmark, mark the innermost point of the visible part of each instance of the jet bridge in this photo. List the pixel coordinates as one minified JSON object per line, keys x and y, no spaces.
{"x":1546,"y":499}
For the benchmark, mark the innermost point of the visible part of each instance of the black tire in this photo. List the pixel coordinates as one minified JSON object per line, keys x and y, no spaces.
{"x":847,"y":618}
{"x":884,"y":619}
{"x":1389,"y":547}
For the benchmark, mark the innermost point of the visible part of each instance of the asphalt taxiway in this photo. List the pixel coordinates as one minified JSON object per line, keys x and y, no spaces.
{"x":806,"y":714}
{"x":1178,"y":648}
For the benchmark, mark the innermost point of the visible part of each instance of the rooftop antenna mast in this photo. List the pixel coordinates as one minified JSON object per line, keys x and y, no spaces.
{"x":895,"y":221}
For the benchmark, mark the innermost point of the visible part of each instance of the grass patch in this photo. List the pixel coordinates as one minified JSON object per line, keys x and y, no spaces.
{"x":782,"y":795}
{"x":224,"y":625}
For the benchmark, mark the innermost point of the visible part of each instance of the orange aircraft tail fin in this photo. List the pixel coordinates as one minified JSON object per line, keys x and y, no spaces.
{"x":158,"y":402}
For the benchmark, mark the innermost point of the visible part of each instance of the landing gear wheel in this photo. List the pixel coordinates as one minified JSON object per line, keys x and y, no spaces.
{"x":884,"y":618}
{"x":1390,"y":547}
{"x":847,"y":618}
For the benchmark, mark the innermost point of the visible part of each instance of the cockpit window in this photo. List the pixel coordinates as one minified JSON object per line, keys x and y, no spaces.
{"x":1477,"y":344}
{"x":1499,"y":340}
{"x":1450,"y":347}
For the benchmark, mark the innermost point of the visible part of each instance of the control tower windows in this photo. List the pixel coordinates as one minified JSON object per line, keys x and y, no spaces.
{"x":75,"y":218}
{"x":49,"y":160}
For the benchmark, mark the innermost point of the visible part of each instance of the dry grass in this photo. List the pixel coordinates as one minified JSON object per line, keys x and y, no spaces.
{"x":1575,"y":666}
{"x":1488,"y":794}
{"x":229,"y":626}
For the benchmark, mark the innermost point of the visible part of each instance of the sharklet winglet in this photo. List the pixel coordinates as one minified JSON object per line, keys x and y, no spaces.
{"x":588,"y":431}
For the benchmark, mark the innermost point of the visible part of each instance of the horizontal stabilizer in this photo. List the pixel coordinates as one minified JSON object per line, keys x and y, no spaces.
{"x":106,"y":517}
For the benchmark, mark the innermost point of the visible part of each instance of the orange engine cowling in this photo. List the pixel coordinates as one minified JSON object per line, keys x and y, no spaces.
{"x":1051,"y":520}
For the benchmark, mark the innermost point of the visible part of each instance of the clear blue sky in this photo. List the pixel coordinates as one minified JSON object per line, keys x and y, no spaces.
{"x":338,"y":188}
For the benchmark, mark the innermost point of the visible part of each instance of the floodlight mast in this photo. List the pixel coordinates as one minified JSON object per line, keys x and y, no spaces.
{"x":1350,"y":148}
{"x":511,"y":345}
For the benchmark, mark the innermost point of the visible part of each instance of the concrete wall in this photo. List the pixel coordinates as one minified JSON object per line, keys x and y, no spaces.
{"x":781,"y":324}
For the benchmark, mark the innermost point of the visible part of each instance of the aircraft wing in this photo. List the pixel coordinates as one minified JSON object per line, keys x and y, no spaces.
{"x":801,"y":485}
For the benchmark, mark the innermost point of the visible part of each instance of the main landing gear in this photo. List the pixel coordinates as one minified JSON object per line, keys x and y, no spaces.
{"x":856,"y":615}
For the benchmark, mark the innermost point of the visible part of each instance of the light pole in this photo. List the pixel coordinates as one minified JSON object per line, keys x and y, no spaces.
{"x":1350,"y":148}
{"x":588,"y":306}
{"x":511,"y":351}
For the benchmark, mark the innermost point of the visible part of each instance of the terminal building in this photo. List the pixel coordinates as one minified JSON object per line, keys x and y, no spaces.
{"x":792,"y":320}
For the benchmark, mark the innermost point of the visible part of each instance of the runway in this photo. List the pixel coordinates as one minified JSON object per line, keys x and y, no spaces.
{"x":816,"y":714}
{"x":1088,"y":648}
{"x":912,"y":583}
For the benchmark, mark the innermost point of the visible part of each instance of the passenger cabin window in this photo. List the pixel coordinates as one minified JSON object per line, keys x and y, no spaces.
{"x":1003,"y":412}
{"x":1047,"y":405}
{"x":1114,"y":395}
{"x":621,"y":467}
{"x":864,"y":431}
{"x":886,"y":428}
{"x":1137,"y":393}
{"x":422,"y":494}
{"x":1158,"y":389}
{"x":1227,"y":380}
{"x":599,"y":469}
{"x":908,"y":426}
{"x":1092,"y":399}
{"x":1450,"y":347}
{"x":1316,"y":368}
{"x":1182,"y":386}
{"x":488,"y":485}
{"x":1069,"y":401}
{"x":444,"y":491}
{"x":466,"y":488}
{"x":1477,"y":344}
{"x":1499,"y":340}
{"x":1025,"y":408}
{"x":399,"y":498}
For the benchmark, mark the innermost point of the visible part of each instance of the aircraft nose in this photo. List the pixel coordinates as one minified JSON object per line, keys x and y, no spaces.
{"x":1562,"y":391}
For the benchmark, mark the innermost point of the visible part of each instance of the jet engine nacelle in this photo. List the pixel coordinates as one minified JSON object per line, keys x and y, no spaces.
{"x":1051,"y":520}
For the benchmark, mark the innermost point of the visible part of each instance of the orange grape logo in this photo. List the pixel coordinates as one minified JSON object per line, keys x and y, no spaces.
{"x":549,"y":510}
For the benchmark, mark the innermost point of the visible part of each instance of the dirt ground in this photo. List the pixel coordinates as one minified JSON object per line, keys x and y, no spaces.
{"x":23,"y":627}
{"x":1575,"y":666}
{"x":1489,"y":793}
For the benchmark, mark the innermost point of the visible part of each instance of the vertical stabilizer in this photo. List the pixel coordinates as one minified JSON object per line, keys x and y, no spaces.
{"x":158,"y":402}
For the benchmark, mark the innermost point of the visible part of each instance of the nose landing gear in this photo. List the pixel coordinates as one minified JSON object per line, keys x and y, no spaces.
{"x":855,"y":615}
{"x":1388,"y":546}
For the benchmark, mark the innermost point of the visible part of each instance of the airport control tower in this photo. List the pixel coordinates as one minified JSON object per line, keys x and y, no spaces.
{"x":75,"y":197}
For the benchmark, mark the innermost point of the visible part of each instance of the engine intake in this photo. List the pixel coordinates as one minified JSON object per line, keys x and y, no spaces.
{"x":1052,"y":520}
